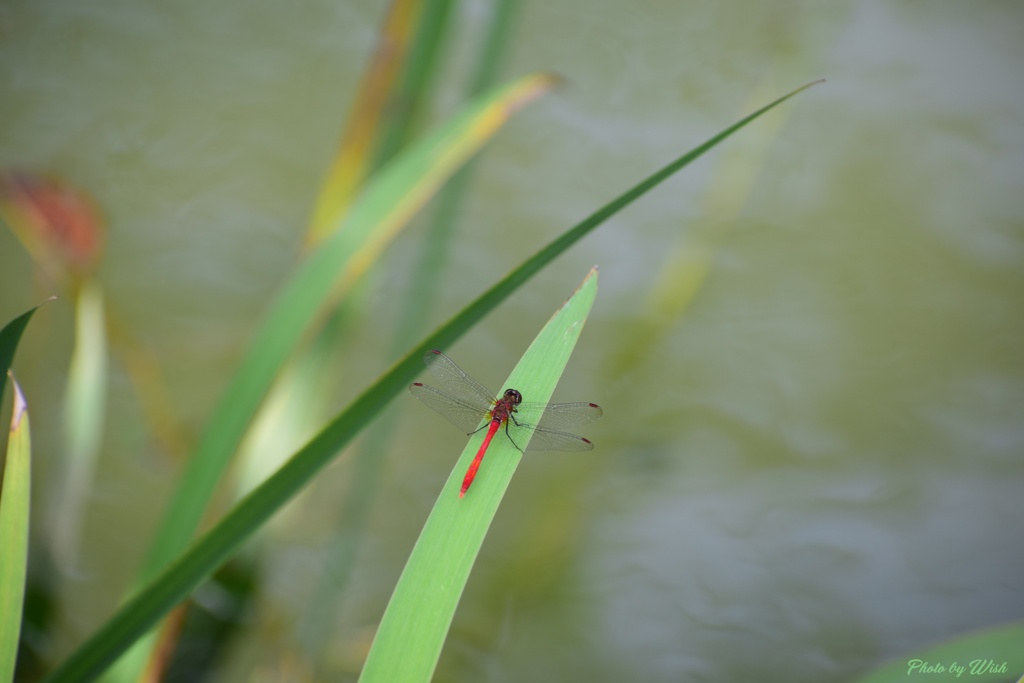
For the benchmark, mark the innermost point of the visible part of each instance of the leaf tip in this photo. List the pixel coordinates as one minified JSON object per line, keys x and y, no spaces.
{"x":531,"y":87}
{"x":553,"y":80}
{"x":20,"y":405}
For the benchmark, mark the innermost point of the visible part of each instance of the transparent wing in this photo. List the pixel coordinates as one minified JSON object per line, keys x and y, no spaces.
{"x":463,"y":415}
{"x":460,"y":385}
{"x":544,"y":440}
{"x":553,"y":417}
{"x":558,"y":416}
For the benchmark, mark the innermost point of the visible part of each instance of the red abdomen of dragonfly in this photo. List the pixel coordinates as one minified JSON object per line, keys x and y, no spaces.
{"x":506,"y":405}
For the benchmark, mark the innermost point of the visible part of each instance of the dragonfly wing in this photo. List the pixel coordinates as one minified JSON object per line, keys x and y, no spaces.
{"x":558,"y":416}
{"x":467,"y":404}
{"x":467,"y":418}
{"x":554,"y":417}
{"x":545,"y":440}
{"x":458,"y":383}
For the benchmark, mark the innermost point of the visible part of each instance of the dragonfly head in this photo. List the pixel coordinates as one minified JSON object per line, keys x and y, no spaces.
{"x":514,"y":397}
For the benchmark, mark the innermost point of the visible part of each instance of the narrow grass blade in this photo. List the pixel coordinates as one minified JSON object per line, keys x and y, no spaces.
{"x":992,"y":654}
{"x":354,"y":157}
{"x":14,"y":510}
{"x":214,"y":547}
{"x":419,"y":71}
{"x":412,"y":632}
{"x":14,"y":502}
{"x":687,"y":265}
{"x":84,"y":418}
{"x":430,"y":267}
{"x":500,"y":291}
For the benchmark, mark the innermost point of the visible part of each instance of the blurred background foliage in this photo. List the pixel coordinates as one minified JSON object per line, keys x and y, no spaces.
{"x":807,"y":346}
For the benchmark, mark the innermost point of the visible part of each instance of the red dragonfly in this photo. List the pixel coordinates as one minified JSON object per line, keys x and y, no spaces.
{"x":467,"y":404}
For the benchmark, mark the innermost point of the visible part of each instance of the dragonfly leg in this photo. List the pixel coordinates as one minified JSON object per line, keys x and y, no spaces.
{"x":509,"y":435}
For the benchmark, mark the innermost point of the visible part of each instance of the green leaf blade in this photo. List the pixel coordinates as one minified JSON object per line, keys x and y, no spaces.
{"x":415,"y":625}
{"x":15,"y":502}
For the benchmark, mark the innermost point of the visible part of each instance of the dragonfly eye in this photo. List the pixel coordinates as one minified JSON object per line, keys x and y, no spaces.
{"x":514,"y":396}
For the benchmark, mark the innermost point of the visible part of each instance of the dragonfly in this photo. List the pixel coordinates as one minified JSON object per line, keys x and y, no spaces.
{"x":468,"y":405}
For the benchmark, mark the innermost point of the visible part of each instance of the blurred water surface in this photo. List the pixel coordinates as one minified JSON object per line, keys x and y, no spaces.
{"x":814,"y":469}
